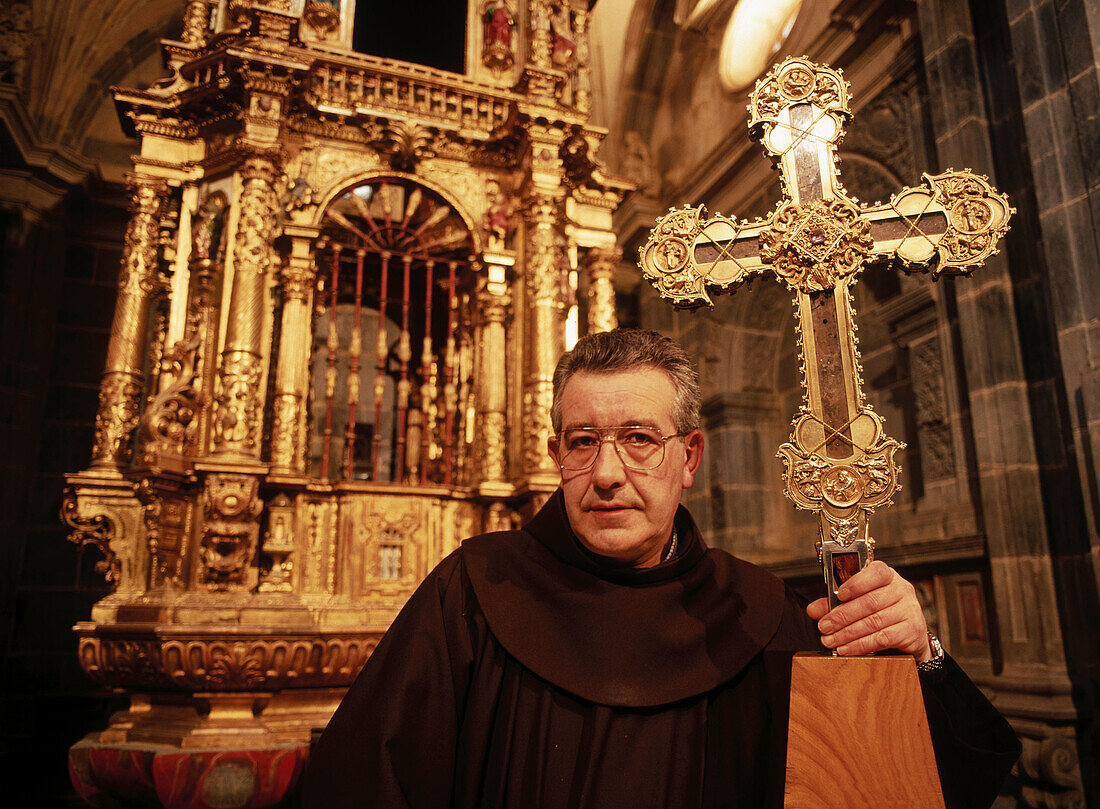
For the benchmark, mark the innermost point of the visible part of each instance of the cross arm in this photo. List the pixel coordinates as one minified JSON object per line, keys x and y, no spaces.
{"x":950,"y":224}
{"x":689,"y":256}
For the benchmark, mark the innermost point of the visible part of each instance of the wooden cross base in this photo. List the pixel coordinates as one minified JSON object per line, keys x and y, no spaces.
{"x":858,"y":736}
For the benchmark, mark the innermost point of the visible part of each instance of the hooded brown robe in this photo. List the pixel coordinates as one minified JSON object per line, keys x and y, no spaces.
{"x":528,"y":672}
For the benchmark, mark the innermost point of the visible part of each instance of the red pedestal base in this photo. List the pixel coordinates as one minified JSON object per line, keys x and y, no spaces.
{"x":155,"y":776}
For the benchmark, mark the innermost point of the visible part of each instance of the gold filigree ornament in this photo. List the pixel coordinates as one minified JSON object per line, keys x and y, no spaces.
{"x":865,"y":479}
{"x":797,"y":81}
{"x":954,"y":222}
{"x":169,"y":423}
{"x":666,"y":257}
{"x":817,"y":244}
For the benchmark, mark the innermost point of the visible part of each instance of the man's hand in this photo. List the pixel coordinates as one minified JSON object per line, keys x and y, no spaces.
{"x":880,"y":611}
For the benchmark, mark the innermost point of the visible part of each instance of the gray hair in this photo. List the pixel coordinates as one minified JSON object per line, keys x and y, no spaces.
{"x":626,"y":349}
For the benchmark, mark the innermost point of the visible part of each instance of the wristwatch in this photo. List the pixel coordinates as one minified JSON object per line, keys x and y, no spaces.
{"x":936,"y":663}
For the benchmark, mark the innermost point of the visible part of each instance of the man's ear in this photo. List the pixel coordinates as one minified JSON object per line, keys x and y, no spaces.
{"x":552,"y":449}
{"x":693,"y":448}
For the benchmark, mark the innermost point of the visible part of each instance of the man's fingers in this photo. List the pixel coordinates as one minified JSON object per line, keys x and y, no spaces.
{"x":846,"y":614}
{"x":817,"y":609}
{"x":875,"y":575}
{"x":869,"y":626}
{"x":898,"y":636}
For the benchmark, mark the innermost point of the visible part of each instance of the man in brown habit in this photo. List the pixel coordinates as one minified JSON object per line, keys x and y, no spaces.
{"x":603,"y":656}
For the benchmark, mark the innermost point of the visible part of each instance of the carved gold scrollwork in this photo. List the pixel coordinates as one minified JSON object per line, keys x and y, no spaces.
{"x":96,"y":529}
{"x":815,"y":245}
{"x":170,"y":420}
{"x":322,"y":17}
{"x":406,"y":144}
{"x":119,"y":398}
{"x":236,"y":421}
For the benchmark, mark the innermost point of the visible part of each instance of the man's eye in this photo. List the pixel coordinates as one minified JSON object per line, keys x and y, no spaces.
{"x":638,"y":438}
{"x":582,"y":441}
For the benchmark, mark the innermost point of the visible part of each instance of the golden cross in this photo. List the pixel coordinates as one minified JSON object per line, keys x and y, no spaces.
{"x":838,"y":461}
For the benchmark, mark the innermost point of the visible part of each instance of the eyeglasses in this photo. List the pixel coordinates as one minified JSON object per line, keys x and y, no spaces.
{"x":638,"y":447}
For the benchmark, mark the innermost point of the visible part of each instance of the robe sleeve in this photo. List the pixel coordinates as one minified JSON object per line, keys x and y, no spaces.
{"x":975,"y":746}
{"x":391,"y":743}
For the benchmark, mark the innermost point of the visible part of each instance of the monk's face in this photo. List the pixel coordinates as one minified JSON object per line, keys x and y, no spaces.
{"x":618,"y":512}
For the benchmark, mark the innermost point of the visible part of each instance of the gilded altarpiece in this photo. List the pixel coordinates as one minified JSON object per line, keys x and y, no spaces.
{"x":345,"y":283}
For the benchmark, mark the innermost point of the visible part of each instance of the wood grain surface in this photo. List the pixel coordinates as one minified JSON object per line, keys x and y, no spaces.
{"x":858,"y":736}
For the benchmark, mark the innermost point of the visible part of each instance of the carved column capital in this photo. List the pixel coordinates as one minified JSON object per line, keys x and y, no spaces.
{"x":297,"y":281}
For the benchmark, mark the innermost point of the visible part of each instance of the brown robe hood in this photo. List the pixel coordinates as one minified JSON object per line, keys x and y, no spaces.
{"x":621,"y":636}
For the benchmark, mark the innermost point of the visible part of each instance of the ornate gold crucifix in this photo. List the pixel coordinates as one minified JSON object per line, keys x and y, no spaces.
{"x":839,"y":462}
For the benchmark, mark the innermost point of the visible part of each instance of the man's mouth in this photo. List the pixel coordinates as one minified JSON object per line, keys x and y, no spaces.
{"x":610,"y":508}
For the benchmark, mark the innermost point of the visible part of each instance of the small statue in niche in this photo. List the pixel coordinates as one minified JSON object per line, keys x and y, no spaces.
{"x":499,"y":22}
{"x":564,"y":45}
{"x":498,"y":216}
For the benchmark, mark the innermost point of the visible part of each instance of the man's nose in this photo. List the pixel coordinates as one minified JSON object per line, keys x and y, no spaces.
{"x":608,"y":469}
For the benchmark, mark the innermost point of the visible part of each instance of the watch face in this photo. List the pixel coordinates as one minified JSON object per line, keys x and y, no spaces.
{"x":937,"y":647}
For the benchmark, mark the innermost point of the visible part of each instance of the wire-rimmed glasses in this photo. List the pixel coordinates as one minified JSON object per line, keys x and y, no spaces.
{"x":638,"y":447}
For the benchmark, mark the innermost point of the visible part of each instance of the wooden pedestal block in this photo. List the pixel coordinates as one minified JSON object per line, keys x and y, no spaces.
{"x":858,"y":736}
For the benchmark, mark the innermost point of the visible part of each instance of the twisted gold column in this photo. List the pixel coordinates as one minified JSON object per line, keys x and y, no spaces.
{"x":493,"y":302}
{"x":120,"y":388}
{"x":541,"y":38}
{"x":545,"y":328}
{"x":196,"y":18}
{"x":582,"y":82}
{"x":601,"y":293}
{"x":292,"y":372}
{"x":237,"y":406}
